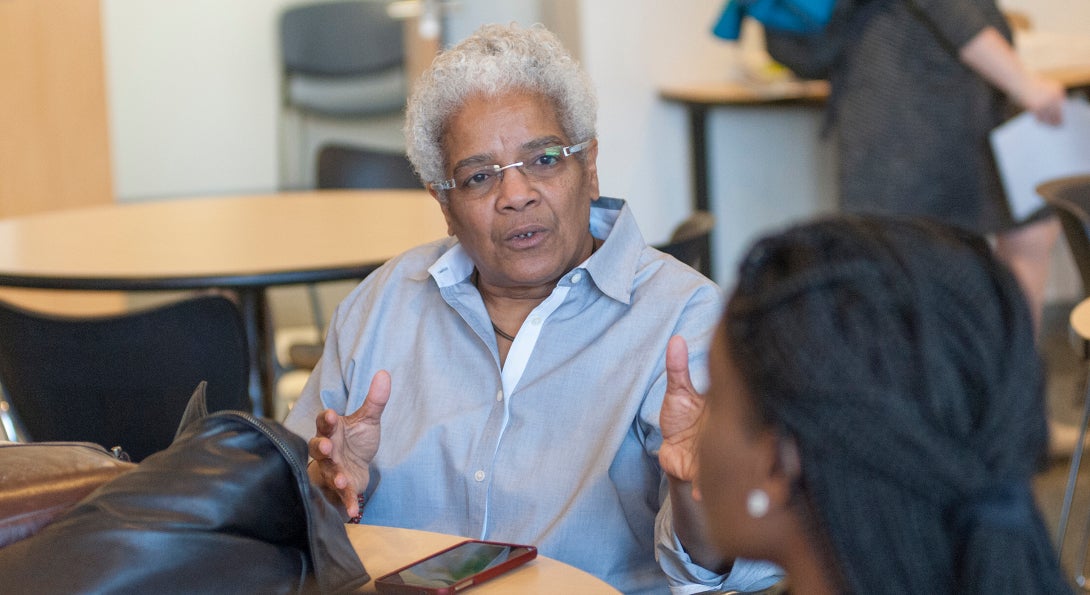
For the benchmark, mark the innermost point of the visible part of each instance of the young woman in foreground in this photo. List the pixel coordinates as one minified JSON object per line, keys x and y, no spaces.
{"x":876,"y":413}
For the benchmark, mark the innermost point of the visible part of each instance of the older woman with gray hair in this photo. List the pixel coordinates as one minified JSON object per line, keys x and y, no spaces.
{"x":517,"y":369}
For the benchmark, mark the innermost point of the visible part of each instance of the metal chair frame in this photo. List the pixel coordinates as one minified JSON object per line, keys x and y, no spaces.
{"x":1069,"y":198}
{"x":691,"y":241}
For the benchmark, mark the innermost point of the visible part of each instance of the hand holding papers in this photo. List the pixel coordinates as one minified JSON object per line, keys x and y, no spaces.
{"x":1028,"y":153}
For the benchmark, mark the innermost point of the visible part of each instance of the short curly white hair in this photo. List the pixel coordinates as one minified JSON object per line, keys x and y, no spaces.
{"x":494,"y":60}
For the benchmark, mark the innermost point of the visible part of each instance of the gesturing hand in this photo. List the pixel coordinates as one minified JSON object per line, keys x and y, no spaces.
{"x":344,"y":446}
{"x":680,"y":415}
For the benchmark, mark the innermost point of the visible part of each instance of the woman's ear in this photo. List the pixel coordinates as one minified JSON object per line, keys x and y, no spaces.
{"x":786,"y":470}
{"x":445,"y":206}
{"x":778,"y":467}
{"x":591,"y":161}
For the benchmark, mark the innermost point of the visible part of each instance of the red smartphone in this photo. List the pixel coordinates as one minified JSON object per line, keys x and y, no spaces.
{"x":456,"y":568}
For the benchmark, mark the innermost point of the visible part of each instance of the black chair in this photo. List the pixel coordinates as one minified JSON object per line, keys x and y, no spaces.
{"x":341,"y":61}
{"x":346,"y":166}
{"x":121,"y":380}
{"x":691,"y":242}
{"x":343,"y":58}
{"x":1069,"y":198}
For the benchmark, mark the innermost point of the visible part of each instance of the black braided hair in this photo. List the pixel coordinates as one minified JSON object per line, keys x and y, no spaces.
{"x":900,"y":357}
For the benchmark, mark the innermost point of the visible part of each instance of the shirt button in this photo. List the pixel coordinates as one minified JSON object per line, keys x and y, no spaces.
{"x":479,"y":476}
{"x":499,"y":395}
{"x":536,"y":321}
{"x":576,"y":277}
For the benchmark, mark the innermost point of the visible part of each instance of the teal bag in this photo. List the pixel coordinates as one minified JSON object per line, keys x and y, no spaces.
{"x":789,"y":16}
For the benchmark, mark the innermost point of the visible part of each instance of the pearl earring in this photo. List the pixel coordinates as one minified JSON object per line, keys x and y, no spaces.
{"x":757,"y":503}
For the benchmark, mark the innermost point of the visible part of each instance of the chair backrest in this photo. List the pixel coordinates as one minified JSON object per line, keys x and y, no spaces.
{"x":343,"y":166}
{"x":121,"y":380}
{"x":1069,"y":197}
{"x":691,"y":242}
{"x":343,"y":58}
{"x":340,"y":38}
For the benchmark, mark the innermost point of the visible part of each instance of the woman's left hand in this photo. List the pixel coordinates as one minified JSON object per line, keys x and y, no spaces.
{"x":679,"y":418}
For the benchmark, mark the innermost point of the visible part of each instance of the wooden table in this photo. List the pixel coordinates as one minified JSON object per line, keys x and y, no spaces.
{"x":385,"y":549}
{"x":244,"y":244}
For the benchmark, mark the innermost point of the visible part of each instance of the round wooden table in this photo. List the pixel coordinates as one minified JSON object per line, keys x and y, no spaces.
{"x":385,"y":549}
{"x":244,"y":244}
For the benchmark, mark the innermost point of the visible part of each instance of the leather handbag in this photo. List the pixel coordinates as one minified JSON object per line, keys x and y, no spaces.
{"x":227,"y":508}
{"x":40,"y":481}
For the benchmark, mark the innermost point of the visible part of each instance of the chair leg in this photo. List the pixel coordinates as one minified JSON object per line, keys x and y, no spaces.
{"x":316,"y":310}
{"x":1069,"y":493}
{"x":10,"y":428}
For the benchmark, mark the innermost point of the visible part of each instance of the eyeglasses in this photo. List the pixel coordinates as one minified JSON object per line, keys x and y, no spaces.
{"x":540,"y":164}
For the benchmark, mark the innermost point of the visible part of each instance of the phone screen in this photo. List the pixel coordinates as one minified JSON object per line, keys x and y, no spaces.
{"x":459,"y":563}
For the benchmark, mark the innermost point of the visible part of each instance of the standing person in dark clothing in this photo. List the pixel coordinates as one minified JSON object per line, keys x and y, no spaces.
{"x":916,"y":88}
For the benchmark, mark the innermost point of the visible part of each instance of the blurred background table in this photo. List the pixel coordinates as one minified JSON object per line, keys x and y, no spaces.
{"x":243,"y":244}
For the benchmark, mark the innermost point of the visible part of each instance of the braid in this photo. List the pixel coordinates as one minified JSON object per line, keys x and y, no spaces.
{"x":900,"y":357}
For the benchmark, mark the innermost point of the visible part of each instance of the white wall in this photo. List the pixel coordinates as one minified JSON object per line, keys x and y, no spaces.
{"x":769,"y":167}
{"x":630,"y":48}
{"x":193,"y":90}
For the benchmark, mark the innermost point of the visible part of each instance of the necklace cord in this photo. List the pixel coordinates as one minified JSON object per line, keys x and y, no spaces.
{"x":593,"y":249}
{"x":501,"y":333}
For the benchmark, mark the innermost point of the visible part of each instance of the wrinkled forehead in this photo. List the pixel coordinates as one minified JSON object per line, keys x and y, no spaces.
{"x":500,"y":125}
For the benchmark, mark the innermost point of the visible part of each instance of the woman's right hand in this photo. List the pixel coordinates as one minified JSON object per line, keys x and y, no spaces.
{"x":344,"y":446}
{"x":1044,"y":98}
{"x":993,"y":58}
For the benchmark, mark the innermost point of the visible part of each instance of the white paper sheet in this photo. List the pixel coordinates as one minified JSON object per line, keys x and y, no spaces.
{"x":1028,"y":153}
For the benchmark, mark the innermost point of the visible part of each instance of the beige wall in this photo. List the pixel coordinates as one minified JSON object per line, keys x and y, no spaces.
{"x":54,"y":145}
{"x":54,"y":149}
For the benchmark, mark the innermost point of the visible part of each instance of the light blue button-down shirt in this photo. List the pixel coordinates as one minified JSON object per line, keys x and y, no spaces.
{"x":559,"y":447}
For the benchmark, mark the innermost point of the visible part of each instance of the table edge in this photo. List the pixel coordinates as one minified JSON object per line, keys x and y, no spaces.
{"x":174,"y":282}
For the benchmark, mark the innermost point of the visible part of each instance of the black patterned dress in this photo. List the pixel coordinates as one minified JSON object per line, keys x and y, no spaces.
{"x":912,"y":121}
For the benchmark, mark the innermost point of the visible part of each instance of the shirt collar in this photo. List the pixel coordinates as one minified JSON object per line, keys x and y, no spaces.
{"x":453,"y":266}
{"x":612,"y":267}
